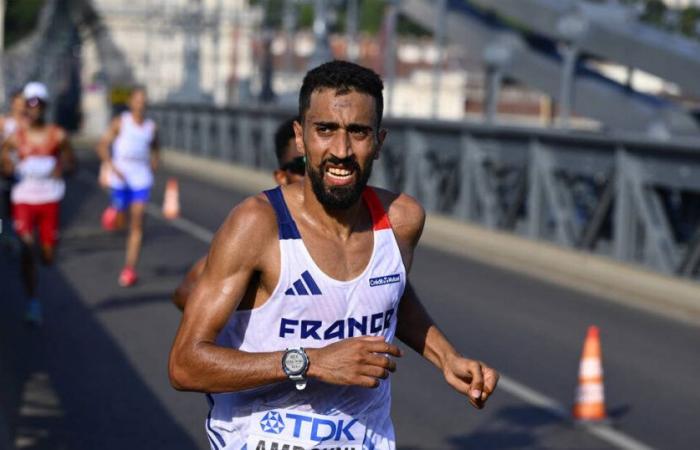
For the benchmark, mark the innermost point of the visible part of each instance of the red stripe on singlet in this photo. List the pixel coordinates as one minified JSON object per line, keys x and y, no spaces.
{"x":380,"y":219}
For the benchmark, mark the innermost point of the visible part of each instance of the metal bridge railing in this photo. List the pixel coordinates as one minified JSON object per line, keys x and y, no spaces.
{"x":631,"y":198}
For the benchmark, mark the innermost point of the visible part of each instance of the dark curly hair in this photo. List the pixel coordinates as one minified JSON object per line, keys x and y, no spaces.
{"x":285,"y":132}
{"x":343,"y":76}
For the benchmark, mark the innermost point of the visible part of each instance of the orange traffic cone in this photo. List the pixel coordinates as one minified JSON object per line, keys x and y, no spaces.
{"x":171,"y":201}
{"x":590,"y":395}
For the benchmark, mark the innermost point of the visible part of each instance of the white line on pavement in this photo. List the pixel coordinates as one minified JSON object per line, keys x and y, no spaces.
{"x":182,"y":224}
{"x":601,"y":431}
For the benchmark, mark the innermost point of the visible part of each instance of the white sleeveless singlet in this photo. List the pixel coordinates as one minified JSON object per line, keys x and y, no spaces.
{"x":9,"y":126}
{"x":36,"y":183}
{"x":131,"y":154}
{"x":310,"y":309}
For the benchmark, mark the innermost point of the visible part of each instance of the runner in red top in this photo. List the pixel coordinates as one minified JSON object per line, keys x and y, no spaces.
{"x":43,"y":156}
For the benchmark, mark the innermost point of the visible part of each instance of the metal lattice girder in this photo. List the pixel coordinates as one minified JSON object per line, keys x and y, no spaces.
{"x":639,"y":211}
{"x":478,"y":199}
{"x":485,"y":173}
{"x":591,"y":232}
{"x":691,"y":260}
{"x":594,"y":95}
{"x":611,"y":31}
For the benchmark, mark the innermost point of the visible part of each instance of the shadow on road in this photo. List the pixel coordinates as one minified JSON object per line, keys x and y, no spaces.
{"x":513,"y":427}
{"x":130,"y":301}
{"x":68,"y":384}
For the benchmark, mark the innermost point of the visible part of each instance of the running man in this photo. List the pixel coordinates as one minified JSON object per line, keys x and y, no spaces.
{"x":44,"y":155}
{"x":290,"y":327}
{"x":133,"y":140}
{"x":290,"y":170}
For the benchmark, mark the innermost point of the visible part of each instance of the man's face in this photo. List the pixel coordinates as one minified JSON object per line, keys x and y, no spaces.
{"x":137,"y":101}
{"x":34,"y":109}
{"x":340,"y":141}
{"x":291,"y":169}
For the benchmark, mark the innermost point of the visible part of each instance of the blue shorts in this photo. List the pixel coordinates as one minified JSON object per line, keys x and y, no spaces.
{"x":123,"y":198}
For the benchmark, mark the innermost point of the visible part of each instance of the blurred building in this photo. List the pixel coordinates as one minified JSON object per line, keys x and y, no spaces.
{"x":190,"y":48}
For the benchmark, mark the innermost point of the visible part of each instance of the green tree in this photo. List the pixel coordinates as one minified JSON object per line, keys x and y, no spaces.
{"x":690,"y":17}
{"x":21,"y":17}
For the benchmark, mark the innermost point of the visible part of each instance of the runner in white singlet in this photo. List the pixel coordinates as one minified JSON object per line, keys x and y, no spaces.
{"x":290,"y":327}
{"x":43,"y":156}
{"x":133,"y":140}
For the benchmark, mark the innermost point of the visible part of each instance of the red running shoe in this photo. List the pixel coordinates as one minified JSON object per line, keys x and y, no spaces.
{"x":109,"y":219}
{"x":128,"y":277}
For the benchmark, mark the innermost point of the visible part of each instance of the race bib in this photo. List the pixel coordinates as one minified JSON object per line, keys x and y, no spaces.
{"x":295,"y":430}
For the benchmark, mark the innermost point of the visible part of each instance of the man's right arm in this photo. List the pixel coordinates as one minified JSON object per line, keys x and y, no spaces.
{"x":196,"y":362}
{"x":105,"y":143}
{"x":6,"y":165}
{"x":183,"y":291}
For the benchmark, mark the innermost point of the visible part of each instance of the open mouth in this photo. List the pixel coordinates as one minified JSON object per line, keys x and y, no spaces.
{"x":339,"y":175}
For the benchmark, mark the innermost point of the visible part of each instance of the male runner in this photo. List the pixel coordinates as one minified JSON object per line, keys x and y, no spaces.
{"x":133,"y":139}
{"x":305,"y":287}
{"x":290,"y":170}
{"x":44,"y":155}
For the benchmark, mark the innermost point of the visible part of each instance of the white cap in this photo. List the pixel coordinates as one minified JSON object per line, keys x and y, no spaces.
{"x":34,"y":89}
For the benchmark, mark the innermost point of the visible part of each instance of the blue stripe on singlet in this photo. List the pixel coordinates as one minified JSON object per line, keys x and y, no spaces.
{"x":287,"y":226}
{"x":299,"y":286}
{"x":311,"y":283}
{"x":210,"y":429}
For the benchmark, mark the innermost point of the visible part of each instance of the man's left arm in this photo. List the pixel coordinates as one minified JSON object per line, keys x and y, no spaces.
{"x":155,"y":149}
{"x":470,"y":377}
{"x":67,"y":156}
{"x":415,"y":327}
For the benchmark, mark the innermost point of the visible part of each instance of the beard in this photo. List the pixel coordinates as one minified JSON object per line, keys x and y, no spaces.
{"x":338,"y":197}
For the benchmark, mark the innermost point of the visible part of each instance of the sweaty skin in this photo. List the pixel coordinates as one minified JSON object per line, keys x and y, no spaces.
{"x":340,"y":242}
{"x":282,"y":178}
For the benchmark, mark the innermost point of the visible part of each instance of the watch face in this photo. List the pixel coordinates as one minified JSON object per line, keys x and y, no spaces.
{"x":294,"y":362}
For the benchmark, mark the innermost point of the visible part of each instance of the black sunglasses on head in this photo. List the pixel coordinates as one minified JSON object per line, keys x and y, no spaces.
{"x":33,"y":102}
{"x":295,"y":166}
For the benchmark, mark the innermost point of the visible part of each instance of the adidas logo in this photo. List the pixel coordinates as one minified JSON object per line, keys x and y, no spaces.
{"x":304,"y":286}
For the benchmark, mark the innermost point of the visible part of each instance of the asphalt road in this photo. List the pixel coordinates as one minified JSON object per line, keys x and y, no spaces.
{"x":94,"y":376}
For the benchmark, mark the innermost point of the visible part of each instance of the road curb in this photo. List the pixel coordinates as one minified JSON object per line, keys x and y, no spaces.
{"x":584,"y":272}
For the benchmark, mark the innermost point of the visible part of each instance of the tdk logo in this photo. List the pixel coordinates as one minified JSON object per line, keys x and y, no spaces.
{"x":386,"y":279}
{"x":340,"y":329}
{"x":316,"y":429}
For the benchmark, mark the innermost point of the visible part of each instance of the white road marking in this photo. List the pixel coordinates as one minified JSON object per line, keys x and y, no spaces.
{"x":182,"y":224}
{"x":601,"y":431}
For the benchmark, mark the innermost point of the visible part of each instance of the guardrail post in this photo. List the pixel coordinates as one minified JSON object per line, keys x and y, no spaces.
{"x":205,"y":123}
{"x":464,"y":206}
{"x":415,"y":162}
{"x":174,"y":129}
{"x":246,"y":154}
{"x":625,"y":224}
{"x":224,"y":138}
{"x":267,"y":158}
{"x":187,"y":129}
{"x":535,"y":200}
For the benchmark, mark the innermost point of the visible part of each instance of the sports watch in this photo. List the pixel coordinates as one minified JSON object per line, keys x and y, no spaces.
{"x":295,"y":363}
